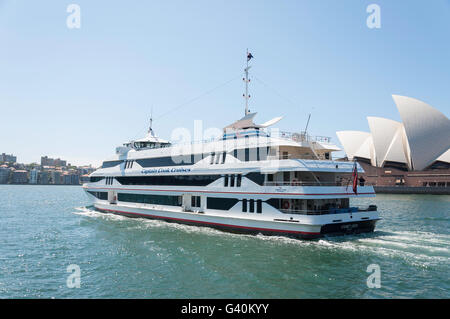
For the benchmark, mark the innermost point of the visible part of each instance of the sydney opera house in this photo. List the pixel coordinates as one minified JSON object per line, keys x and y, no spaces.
{"x":409,"y":156}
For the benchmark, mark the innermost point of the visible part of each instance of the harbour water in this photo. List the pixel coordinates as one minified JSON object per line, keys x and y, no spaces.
{"x":44,"y":229}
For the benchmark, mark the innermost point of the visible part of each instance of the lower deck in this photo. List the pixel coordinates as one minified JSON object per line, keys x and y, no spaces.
{"x":298,"y":226}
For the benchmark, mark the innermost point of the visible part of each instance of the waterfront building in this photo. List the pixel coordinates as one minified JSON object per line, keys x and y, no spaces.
{"x":7,"y":158}
{"x":44,"y":178}
{"x":4,"y":174}
{"x":34,"y":176}
{"x":55,"y":177}
{"x":84,"y":178}
{"x":19,"y":177}
{"x":71,"y":179}
{"x":46,"y":161}
{"x":411,"y":153}
{"x":75,"y":179}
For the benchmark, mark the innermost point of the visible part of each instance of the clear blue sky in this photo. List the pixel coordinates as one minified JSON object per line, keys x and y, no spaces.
{"x":78,"y":93}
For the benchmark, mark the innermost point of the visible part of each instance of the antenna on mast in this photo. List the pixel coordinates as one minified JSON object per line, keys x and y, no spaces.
{"x":247,"y":80}
{"x":307,"y":123}
{"x":150,"y":130}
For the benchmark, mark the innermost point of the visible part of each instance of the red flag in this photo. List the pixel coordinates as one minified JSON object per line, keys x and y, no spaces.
{"x":355,"y":178}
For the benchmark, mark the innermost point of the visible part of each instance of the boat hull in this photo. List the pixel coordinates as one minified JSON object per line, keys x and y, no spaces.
{"x":258,"y":227}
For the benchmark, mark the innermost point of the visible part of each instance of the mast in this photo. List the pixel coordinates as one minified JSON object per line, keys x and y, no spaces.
{"x":307,"y":123}
{"x":247,"y":80}
{"x":150,"y":130}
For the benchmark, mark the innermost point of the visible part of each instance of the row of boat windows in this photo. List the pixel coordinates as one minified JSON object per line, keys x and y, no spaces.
{"x":244,"y":154}
{"x":129,"y":164}
{"x":252,"y":154}
{"x":170,"y":200}
{"x":249,"y":206}
{"x":109,"y":180}
{"x":232,"y":180}
{"x":217,"y":203}
{"x":171,"y":180}
{"x":225,"y":204}
{"x":215,"y":158}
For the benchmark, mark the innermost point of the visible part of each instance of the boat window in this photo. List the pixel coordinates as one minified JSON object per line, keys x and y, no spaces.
{"x":259,"y":206}
{"x":239,"y":180}
{"x":108,"y":164}
{"x":221,"y":203}
{"x":231,"y":180}
{"x":99,"y":195}
{"x":224,"y":155}
{"x":225,"y":183}
{"x":212,"y":158}
{"x":195,"y":201}
{"x":256,"y":177}
{"x":150,"y":199}
{"x":252,"y":206}
{"x":244,"y":205}
{"x":218,"y":158}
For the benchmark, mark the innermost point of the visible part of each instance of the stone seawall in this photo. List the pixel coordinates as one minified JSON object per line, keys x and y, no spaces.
{"x":412,"y":190}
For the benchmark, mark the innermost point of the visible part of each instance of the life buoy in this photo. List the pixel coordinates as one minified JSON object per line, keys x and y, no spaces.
{"x":286,"y":204}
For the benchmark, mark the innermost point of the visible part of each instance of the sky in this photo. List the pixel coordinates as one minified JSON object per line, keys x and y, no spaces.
{"x":77,"y":93}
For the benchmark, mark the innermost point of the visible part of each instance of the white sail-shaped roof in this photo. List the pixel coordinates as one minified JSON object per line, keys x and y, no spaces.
{"x":367,"y":150}
{"x":427,"y":130}
{"x":444,"y":157}
{"x":383,"y":130}
{"x":352,"y":141}
{"x":396,"y":150}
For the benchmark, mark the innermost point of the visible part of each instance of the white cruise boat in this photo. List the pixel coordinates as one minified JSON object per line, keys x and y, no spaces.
{"x":246,"y":181}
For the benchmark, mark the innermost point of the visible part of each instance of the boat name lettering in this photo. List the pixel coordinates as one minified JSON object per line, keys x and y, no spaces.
{"x":165,"y":170}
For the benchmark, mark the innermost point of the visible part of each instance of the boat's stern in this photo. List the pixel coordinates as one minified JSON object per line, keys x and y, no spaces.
{"x":355,"y":221}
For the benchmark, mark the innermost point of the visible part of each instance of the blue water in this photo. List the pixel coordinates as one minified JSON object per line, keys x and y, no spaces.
{"x":44,"y":229}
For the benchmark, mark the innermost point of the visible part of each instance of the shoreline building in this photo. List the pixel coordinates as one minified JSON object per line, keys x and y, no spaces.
{"x":4,"y":174}
{"x":412,"y":156}
{"x":46,"y":161}
{"x":19,"y":177}
{"x":34,"y":176}
{"x":7,"y":158}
